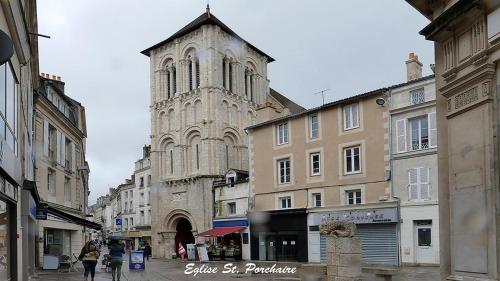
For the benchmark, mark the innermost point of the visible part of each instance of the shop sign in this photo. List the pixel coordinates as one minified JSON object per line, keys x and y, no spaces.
{"x":8,"y":189}
{"x":41,"y":213}
{"x":136,"y":260}
{"x":389,"y":215}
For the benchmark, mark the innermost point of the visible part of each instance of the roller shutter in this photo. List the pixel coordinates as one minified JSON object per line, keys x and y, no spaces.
{"x":379,"y":244}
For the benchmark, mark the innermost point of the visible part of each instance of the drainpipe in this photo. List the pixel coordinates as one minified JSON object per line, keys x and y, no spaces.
{"x":398,"y":200}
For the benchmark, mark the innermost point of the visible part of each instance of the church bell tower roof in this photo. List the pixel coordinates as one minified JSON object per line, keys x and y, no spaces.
{"x":203,"y":19}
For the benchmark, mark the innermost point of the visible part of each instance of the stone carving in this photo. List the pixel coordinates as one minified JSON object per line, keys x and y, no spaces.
{"x":338,"y":228}
{"x":466,"y":98}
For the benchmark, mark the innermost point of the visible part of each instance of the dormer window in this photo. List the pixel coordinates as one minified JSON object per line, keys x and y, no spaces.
{"x":231,"y":181}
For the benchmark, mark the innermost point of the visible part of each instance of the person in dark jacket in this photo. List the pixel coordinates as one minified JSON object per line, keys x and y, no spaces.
{"x":116,"y":252}
{"x":147,"y":251}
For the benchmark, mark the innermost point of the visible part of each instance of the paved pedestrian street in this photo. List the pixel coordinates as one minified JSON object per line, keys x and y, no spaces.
{"x":161,"y":269}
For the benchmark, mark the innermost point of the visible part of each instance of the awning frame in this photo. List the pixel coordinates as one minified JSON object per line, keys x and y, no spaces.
{"x":220,"y":231}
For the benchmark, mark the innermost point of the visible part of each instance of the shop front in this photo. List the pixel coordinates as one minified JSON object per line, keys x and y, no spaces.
{"x":228,"y":239}
{"x":10,"y":180}
{"x":279,"y":235}
{"x":377,"y":228}
{"x":8,"y":228}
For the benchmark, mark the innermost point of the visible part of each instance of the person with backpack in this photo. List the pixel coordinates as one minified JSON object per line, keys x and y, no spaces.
{"x":116,"y":251}
{"x":89,"y":256}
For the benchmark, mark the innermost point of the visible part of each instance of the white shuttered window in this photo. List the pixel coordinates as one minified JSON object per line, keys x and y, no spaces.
{"x":419,"y":184}
{"x":432,"y":129}
{"x":401,"y":135}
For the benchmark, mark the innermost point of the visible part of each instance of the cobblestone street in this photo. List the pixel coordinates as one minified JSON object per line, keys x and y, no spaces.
{"x":157,"y":270}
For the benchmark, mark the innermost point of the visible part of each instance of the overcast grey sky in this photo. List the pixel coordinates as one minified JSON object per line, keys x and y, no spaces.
{"x":349,"y":47}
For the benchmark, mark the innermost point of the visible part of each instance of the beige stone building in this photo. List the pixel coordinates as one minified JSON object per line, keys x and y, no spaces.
{"x":330,"y":162}
{"x":207,"y":85}
{"x":414,"y":164}
{"x":467,"y":50}
{"x":61,"y":170}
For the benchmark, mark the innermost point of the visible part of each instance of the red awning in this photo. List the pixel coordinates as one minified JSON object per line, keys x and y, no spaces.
{"x":221,"y":231}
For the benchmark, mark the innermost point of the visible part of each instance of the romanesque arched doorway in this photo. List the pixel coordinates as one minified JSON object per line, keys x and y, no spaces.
{"x":183,"y":234}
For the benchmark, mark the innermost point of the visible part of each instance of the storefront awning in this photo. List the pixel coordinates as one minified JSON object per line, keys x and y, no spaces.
{"x":221,"y":231}
{"x":71,"y":218}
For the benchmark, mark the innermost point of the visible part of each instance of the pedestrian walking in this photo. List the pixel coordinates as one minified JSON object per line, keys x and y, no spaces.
{"x":89,"y":256}
{"x":147,"y":251}
{"x":116,"y":251}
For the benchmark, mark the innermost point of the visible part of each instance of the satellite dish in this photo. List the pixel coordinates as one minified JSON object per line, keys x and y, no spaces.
{"x":6,"y":47}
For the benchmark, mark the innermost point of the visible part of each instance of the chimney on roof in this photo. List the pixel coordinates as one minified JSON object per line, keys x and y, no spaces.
{"x":413,"y":67}
{"x":58,"y":78}
{"x":54,"y":77}
{"x":42,"y":74}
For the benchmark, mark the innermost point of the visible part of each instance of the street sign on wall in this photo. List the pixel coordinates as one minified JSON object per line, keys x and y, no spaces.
{"x":41,"y":213}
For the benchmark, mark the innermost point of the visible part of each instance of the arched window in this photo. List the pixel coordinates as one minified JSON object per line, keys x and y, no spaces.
{"x":161,"y":121}
{"x":167,"y":161}
{"x":230,"y":155}
{"x":197,"y":111}
{"x":225,"y":114}
{"x":194,"y":150}
{"x":234,"y":115}
{"x":188,"y":114}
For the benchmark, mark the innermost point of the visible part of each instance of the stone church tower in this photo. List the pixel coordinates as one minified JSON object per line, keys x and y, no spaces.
{"x":207,"y":85}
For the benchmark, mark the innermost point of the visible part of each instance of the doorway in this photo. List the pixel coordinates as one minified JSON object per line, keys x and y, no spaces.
{"x":423,"y":242}
{"x":183,"y":234}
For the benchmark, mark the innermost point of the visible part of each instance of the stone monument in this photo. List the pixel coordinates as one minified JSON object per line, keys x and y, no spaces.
{"x":343,"y":251}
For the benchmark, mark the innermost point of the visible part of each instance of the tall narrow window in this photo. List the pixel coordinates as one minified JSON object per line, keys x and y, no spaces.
{"x":352,"y":161}
{"x":419,"y":133}
{"x":316,"y":199}
{"x":190,"y":75}
{"x":246,"y":83}
{"x":419,"y":184}
{"x":197,"y":74}
{"x":168,"y":84}
{"x":197,"y":157}
{"x":251,"y":87}
{"x":351,"y":116}
{"x":315,"y":164}
{"x":67,"y":190}
{"x":227,"y":157}
{"x":284,"y":171}
{"x":171,"y":161}
{"x":313,"y":126}
{"x":51,"y":181}
{"x":223,"y":74}
{"x":175,"y":81}
{"x":230,"y":77}
{"x":283,"y":133}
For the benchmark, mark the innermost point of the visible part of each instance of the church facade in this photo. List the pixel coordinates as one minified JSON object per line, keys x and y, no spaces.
{"x":207,"y":85}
